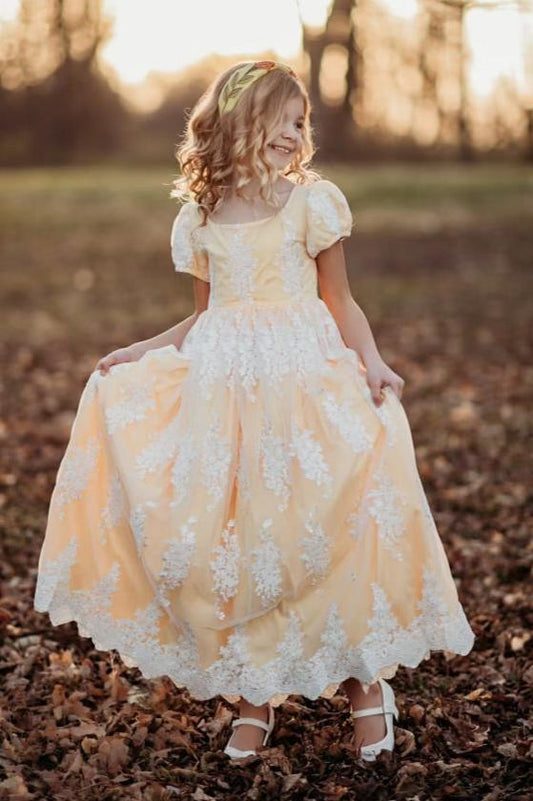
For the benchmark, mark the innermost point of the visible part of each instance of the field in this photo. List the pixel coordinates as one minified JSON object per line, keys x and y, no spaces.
{"x":441,"y":263}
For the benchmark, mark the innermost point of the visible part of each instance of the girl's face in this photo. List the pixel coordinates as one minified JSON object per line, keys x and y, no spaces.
{"x":288,"y":139}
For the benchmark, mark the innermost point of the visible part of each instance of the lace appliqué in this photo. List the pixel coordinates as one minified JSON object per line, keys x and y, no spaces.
{"x":115,"y":509}
{"x":436,"y":626}
{"x":161,"y":449}
{"x":182,"y":469}
{"x":328,"y":217}
{"x":187,"y":244}
{"x":248,"y":345}
{"x":226,"y":567}
{"x":178,"y":556}
{"x":135,"y":404}
{"x":275,"y":464}
{"x":138,"y":518}
{"x":243,"y":473}
{"x":350,"y":426}
{"x":310,"y":457}
{"x":292,"y":259}
{"x":243,"y":265}
{"x":384,"y":504}
{"x":266,"y":566}
{"x":316,"y":549}
{"x":75,"y":473}
{"x":216,"y":461}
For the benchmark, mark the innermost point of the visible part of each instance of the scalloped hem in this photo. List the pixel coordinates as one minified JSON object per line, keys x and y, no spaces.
{"x":328,"y":692}
{"x":202,"y":685}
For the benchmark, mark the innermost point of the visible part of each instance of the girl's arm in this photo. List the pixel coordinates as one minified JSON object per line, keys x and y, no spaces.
{"x":351,"y":321}
{"x":172,"y":336}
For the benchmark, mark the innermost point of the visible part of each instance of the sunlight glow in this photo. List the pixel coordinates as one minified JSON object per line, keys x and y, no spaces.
{"x":167,"y":36}
{"x":164,"y":36}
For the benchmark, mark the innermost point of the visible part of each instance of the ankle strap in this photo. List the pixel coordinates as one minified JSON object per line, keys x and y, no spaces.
{"x":253,"y":721}
{"x":373,"y":710}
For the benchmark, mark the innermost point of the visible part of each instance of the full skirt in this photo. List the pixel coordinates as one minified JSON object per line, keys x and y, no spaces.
{"x":239,"y":516}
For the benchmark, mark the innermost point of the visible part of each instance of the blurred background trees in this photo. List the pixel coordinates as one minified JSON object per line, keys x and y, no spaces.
{"x":381,"y":87}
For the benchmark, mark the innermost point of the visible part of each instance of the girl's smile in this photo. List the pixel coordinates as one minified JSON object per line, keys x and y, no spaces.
{"x":288,"y":138}
{"x":282,"y":149}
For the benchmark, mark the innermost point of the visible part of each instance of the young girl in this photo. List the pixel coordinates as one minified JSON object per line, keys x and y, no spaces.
{"x":239,"y":507}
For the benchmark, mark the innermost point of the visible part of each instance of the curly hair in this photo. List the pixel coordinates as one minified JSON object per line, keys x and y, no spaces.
{"x":221,"y":152}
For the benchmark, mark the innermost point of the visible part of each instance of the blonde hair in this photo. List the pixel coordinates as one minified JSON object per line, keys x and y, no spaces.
{"x":220,"y":152}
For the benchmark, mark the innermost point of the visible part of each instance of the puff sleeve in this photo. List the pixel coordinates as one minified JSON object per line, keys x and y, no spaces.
{"x":188,"y":252}
{"x":328,"y":216}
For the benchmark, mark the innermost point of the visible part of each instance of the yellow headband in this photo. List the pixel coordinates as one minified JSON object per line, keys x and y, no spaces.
{"x":242,"y":78}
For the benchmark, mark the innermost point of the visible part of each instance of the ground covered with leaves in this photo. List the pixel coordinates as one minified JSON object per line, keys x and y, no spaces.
{"x":440,"y":261}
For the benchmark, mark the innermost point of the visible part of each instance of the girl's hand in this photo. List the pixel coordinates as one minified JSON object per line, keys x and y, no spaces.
{"x":378,"y":375}
{"x":130,"y":354}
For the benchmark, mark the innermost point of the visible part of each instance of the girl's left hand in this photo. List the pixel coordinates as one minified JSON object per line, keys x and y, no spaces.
{"x":378,"y":375}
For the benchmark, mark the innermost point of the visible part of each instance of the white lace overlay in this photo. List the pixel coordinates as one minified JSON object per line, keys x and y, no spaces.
{"x":213,"y":511}
{"x":115,"y":509}
{"x":266,"y":566}
{"x":275,"y":464}
{"x":316,"y":549}
{"x":292,"y":259}
{"x":293,"y":670}
{"x":244,"y":265}
{"x":216,"y":461}
{"x":247,"y":346}
{"x":178,"y":556}
{"x":161,"y":450}
{"x":308,"y":451}
{"x":75,"y":474}
{"x":384,"y":503}
{"x":226,"y":567}
{"x":188,"y":245}
{"x":328,"y":216}
{"x":135,"y":404}
{"x":350,"y":426}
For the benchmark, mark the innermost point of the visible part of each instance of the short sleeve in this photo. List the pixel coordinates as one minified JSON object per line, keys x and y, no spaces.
{"x":188,"y":253}
{"x":328,"y":216}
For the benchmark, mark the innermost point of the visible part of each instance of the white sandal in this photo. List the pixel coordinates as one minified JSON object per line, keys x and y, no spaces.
{"x":388,"y":708}
{"x":236,"y":753}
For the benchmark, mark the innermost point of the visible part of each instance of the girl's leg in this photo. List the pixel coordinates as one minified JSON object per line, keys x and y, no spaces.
{"x":371,"y":728}
{"x":247,"y":736}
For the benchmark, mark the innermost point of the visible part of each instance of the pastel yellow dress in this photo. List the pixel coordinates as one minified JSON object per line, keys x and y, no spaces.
{"x":237,"y":514}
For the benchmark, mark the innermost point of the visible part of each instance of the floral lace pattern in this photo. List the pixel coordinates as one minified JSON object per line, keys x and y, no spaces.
{"x":216,"y":461}
{"x":226,"y":567}
{"x":316,"y":549}
{"x":275,"y":464}
{"x":329,"y":217}
{"x":349,"y":424}
{"x":187,"y":243}
{"x":178,"y":557}
{"x":115,"y":508}
{"x":436,"y":625}
{"x":75,"y":474}
{"x":236,"y":513}
{"x":384,"y":503}
{"x":309,"y":453}
{"x":137,"y":401}
{"x":266,"y":566}
{"x":247,"y":345}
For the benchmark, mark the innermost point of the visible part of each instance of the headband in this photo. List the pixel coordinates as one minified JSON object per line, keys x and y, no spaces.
{"x":242,"y":78}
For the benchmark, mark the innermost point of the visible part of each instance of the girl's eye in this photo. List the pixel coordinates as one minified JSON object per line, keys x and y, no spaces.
{"x":299,"y":125}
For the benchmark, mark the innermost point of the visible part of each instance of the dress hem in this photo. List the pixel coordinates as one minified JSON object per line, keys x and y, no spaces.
{"x":326,"y":687}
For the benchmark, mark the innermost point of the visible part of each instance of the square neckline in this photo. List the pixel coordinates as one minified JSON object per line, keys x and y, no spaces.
{"x":256,"y":222}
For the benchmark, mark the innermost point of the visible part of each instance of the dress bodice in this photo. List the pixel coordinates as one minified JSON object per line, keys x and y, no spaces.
{"x":266,"y":260}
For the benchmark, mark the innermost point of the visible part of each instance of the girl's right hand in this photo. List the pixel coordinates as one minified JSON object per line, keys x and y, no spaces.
{"x":130,"y":354}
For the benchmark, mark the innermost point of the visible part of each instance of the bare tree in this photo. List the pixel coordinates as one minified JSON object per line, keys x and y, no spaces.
{"x":54,"y":103}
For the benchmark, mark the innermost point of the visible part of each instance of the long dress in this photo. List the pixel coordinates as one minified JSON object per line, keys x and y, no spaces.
{"x":238,"y":514}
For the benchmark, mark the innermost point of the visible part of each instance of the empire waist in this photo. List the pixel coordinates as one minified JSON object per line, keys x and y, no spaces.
{"x":262,"y":301}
